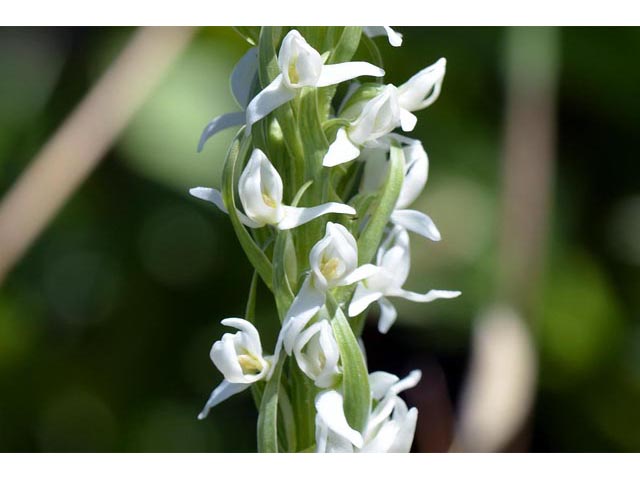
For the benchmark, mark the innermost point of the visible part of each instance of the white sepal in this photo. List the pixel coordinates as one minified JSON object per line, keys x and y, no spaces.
{"x":242,"y":77}
{"x":222,"y":122}
{"x":214,"y":196}
{"x":423,"y":88}
{"x":317,"y":354}
{"x":395,"y":38}
{"x":333,"y":433}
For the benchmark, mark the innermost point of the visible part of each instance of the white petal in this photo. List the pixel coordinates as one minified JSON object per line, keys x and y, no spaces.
{"x":224,"y":356}
{"x":296,"y":216}
{"x":388,"y":315}
{"x":423,"y":88}
{"x":214,"y":196}
{"x":362,"y":298}
{"x":360,"y":273}
{"x":405,"y":433}
{"x":228,"y":120}
{"x":220,"y":394}
{"x":265,"y":102}
{"x":301,"y":341}
{"x":430,"y":296}
{"x":330,"y":408}
{"x":251,"y":332}
{"x":416,"y":173}
{"x":342,"y":150}
{"x":340,"y":72}
{"x":395,"y":38}
{"x":260,"y":182}
{"x":380,"y":383}
{"x":407,"y":120}
{"x":242,"y":77}
{"x":306,"y":304}
{"x":416,"y":222}
{"x":406,"y":383}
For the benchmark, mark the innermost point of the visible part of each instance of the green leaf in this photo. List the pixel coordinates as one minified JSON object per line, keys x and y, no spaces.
{"x":250,"y":34}
{"x":372,"y":234}
{"x":281,"y":288}
{"x":355,"y":378}
{"x":268,"y":414}
{"x":255,"y":255}
{"x":250,"y":310}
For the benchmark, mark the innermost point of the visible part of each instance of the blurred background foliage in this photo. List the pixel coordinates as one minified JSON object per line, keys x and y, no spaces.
{"x":107,"y":322}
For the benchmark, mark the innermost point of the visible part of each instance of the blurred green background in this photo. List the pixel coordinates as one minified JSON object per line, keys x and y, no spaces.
{"x":107,"y":322}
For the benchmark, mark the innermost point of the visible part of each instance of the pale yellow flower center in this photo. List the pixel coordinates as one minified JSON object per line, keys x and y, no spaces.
{"x":268,"y":200}
{"x":329,"y":267}
{"x":293,"y":73}
{"x":250,"y":365}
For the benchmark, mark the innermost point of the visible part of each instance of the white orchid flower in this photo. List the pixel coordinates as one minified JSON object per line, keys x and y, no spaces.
{"x":395,"y":38}
{"x":260,"y":192}
{"x":317,"y":354}
{"x":390,"y":426}
{"x":423,"y":88}
{"x":239,"y":358}
{"x":416,"y":170}
{"x":393,"y":264}
{"x":244,"y":74}
{"x":302,"y":66}
{"x":334,"y":263}
{"x":375,"y":119}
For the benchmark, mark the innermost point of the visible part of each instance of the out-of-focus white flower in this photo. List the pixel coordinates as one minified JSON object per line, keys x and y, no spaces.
{"x":244,"y":74}
{"x":416,"y":169}
{"x":393,"y":263}
{"x":260,"y":192}
{"x":423,"y":88}
{"x":395,"y":38}
{"x":317,"y":354}
{"x":334,"y":263}
{"x":239,"y":358}
{"x":390,"y":426}
{"x":302,"y":66}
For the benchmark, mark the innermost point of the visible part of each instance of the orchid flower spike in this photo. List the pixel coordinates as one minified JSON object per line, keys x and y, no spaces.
{"x":393,"y":264}
{"x":244,"y":74}
{"x":239,"y":358}
{"x":376,"y":118}
{"x":416,"y":170}
{"x":317,"y":354}
{"x":334,"y":263}
{"x":302,"y":66}
{"x":260,"y":191}
{"x":395,"y":38}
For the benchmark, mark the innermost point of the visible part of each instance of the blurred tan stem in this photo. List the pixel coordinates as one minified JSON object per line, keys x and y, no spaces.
{"x":500,"y":388}
{"x":83,"y":139}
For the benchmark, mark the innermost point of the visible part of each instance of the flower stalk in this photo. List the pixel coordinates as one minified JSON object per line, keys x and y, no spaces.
{"x":316,"y":184}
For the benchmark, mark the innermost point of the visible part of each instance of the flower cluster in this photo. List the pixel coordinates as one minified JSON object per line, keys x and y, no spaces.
{"x":324,"y":190}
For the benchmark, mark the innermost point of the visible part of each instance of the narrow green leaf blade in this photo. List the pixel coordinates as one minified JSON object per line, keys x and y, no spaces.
{"x":372,"y":234}
{"x":268,"y":414}
{"x":355,"y":379}
{"x":255,"y":255}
